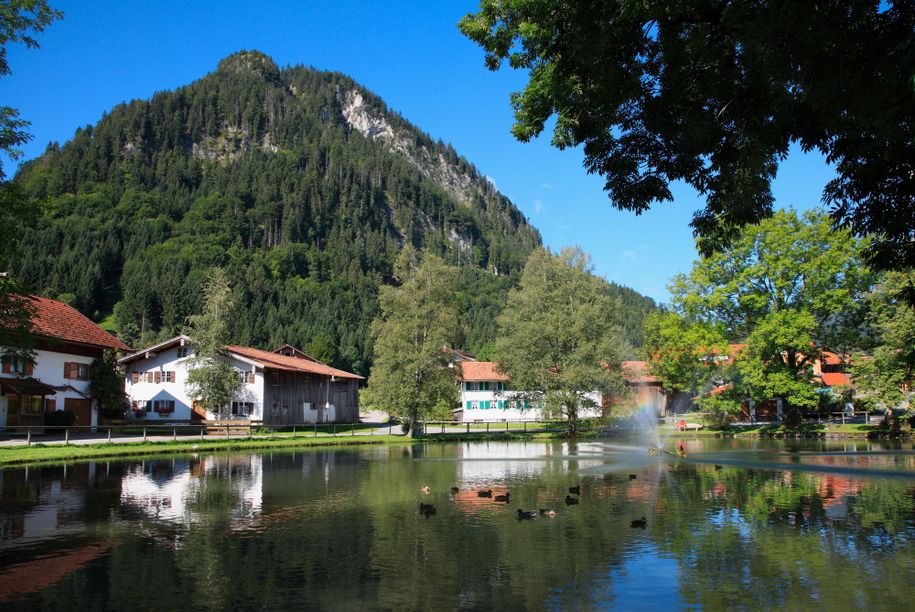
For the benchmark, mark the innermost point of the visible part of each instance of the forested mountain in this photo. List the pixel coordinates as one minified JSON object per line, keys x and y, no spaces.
{"x":301,"y":183}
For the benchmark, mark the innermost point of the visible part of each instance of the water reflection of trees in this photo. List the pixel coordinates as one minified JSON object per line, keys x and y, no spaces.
{"x":339,"y":529}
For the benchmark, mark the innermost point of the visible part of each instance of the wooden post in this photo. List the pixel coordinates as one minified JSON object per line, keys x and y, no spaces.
{"x":843,"y":417}
{"x":487,"y":426}
{"x":443,"y":427}
{"x":354,"y":429}
{"x":525,"y":426}
{"x":28,"y":436}
{"x":144,"y":434}
{"x":293,"y":431}
{"x":174,"y":434}
{"x":109,"y":434}
{"x":335,"y":429}
{"x":66,"y":435}
{"x":468,"y":427}
{"x":201,"y":432}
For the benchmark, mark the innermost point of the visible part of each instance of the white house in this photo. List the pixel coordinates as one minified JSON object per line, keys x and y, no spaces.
{"x":282,"y":387}
{"x":57,"y":378}
{"x":486,"y":395}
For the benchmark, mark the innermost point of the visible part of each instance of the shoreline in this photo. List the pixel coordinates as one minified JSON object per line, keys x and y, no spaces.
{"x":21,"y":456}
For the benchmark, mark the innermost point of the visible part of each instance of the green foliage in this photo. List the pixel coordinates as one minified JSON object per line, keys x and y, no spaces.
{"x":880,"y":378}
{"x":683,"y":354}
{"x":411,"y":378}
{"x":792,"y":288}
{"x":713,"y":94}
{"x":254,"y":169}
{"x":559,"y":335}
{"x":106,"y":386}
{"x":720,"y":409}
{"x":209,"y":378}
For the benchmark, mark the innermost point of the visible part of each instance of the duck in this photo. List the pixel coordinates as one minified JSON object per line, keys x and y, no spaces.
{"x":526,"y":515}
{"x":717,"y":467}
{"x":427,"y":509}
{"x":575,"y":490}
{"x":632,"y":476}
{"x":484,"y":493}
{"x":639,"y":523}
{"x":571,"y":501}
{"x":547,"y":512}
{"x":504,"y":498}
{"x":425,"y":490}
{"x":454,"y":490}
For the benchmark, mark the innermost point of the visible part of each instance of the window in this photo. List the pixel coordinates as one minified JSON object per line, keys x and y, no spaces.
{"x":470,"y":386}
{"x":164,"y":406}
{"x":182,"y":352}
{"x":30,"y":404}
{"x":484,"y":386}
{"x":242,"y":408}
{"x":275,"y":379}
{"x":76,"y":371}
{"x":17,"y":366}
{"x":168,"y":376}
{"x":246,"y":377}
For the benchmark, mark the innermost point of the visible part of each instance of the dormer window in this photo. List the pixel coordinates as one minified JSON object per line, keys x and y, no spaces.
{"x":182,"y":352}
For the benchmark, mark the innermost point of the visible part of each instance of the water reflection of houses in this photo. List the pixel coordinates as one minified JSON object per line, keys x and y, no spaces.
{"x":172,"y":490}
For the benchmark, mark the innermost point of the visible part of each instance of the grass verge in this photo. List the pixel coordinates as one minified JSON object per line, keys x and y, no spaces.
{"x":38,"y":453}
{"x":809,"y":429}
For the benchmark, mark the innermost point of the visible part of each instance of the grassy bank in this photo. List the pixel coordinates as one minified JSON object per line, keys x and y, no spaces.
{"x":38,"y":453}
{"x":858,"y":430}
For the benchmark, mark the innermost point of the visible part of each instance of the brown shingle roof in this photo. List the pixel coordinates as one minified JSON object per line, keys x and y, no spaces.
{"x":289,"y":364}
{"x":479,"y":371}
{"x":55,"y":319}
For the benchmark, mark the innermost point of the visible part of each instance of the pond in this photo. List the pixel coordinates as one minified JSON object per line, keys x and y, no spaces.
{"x":736,"y":523}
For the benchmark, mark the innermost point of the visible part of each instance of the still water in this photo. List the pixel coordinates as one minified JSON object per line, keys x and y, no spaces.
{"x":751,"y":524}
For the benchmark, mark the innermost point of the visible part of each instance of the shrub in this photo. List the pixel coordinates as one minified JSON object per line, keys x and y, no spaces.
{"x":720,"y":409}
{"x":60,"y":418}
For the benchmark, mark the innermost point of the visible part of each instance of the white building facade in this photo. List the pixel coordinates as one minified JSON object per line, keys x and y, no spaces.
{"x":487,"y":396}
{"x":281,"y":387}
{"x":56,"y":378}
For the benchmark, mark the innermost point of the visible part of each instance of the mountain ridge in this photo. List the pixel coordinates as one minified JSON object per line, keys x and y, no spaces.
{"x":302,"y":183}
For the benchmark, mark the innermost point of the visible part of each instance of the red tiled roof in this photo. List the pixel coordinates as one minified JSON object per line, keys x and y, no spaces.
{"x":55,"y":319}
{"x":833,"y":359}
{"x":289,"y":364}
{"x":834,"y":379}
{"x":480,"y":370}
{"x":637,"y":372}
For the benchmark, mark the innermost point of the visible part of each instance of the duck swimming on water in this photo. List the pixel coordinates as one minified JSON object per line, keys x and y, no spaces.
{"x":547,"y":512}
{"x":427,"y":510}
{"x":526,"y":515}
{"x":504,"y":498}
{"x":639,"y":523}
{"x":484,"y":493}
{"x":576,"y":490}
{"x":571,"y":501}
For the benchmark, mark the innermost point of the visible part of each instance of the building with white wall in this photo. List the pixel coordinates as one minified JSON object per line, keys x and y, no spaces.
{"x":282,"y":387}
{"x":57,"y":376}
{"x":487,"y":396}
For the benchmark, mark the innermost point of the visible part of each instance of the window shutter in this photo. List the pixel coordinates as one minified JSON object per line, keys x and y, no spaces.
{"x":250,"y":378}
{"x":158,"y":377}
{"x":74,"y":370}
{"x":29,"y":368}
{"x":6,"y":365}
{"x":134,"y":378}
{"x":66,"y":369}
{"x":51,"y":405}
{"x":149,"y":377}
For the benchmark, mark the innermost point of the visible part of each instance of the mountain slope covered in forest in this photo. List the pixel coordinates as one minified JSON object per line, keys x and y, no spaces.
{"x":301,"y":183}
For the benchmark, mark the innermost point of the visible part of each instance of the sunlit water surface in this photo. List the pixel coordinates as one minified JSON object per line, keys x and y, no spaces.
{"x":751,"y":524}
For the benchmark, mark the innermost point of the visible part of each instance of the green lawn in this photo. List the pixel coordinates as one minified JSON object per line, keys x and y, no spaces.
{"x":58,"y":452}
{"x":858,"y":429}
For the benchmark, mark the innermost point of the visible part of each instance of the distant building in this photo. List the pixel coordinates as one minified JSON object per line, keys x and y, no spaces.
{"x":283,"y":387}
{"x":647,"y":390}
{"x":487,"y":396}
{"x":57,"y":378}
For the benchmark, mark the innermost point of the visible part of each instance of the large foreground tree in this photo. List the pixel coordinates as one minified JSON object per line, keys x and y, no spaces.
{"x":559,"y":335}
{"x":411,"y":378}
{"x":791,"y":288}
{"x":713,"y":93}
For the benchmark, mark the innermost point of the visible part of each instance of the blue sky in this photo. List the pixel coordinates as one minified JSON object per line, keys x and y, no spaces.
{"x":411,"y":54}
